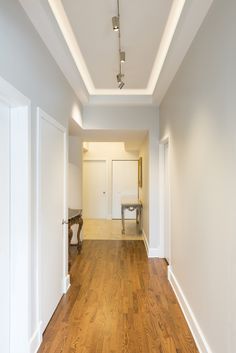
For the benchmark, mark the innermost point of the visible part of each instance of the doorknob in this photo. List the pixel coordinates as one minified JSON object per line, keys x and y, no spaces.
{"x":104,"y":192}
{"x":65,"y":221}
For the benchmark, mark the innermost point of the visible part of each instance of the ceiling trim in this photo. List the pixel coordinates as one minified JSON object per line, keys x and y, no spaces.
{"x":186,"y":16}
{"x":168,"y":34}
{"x":69,"y":36}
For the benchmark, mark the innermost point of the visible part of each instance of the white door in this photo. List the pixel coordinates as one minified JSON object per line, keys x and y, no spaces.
{"x":166,"y":204}
{"x":52,"y":211}
{"x":124,"y":184}
{"x":94,"y":190}
{"x":5,"y":227}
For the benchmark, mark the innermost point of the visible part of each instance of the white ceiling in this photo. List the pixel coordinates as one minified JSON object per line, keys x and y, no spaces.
{"x":156,"y":35}
{"x":133,"y":139}
{"x":142,"y":25}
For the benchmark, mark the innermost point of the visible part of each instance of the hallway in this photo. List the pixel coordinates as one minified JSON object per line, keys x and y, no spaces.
{"x":119,"y":301}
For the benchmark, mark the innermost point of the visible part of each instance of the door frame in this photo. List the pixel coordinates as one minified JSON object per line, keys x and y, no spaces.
{"x":163,"y":142}
{"x":41,"y":115}
{"x":20,"y":215}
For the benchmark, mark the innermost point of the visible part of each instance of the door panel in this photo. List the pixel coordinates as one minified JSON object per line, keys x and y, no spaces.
{"x":5,"y":227}
{"x":94,"y":189}
{"x":52,"y":205}
{"x":124,"y":183}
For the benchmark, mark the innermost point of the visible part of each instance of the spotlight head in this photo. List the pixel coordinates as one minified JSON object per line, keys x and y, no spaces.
{"x":121,"y":85}
{"x":115,"y":23}
{"x":119,"y":80}
{"x":119,"y":77}
{"x":122,"y":56}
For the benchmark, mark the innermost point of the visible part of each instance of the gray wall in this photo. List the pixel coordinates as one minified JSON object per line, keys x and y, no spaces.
{"x":198,"y":114}
{"x":26,"y":64}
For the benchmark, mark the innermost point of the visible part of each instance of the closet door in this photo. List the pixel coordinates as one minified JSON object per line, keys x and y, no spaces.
{"x":124,"y":184}
{"x":94,"y":190}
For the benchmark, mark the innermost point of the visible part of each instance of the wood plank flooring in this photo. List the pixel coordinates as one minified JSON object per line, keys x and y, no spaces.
{"x":119,"y":302}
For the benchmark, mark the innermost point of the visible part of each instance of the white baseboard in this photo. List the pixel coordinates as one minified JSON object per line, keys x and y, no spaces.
{"x":66,"y":284}
{"x":151,"y":252}
{"x":145,"y":241}
{"x":197,"y":333}
{"x":36,"y":339}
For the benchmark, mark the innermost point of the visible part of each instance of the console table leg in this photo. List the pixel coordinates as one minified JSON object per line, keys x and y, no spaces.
{"x":123,"y":219}
{"x":79,"y":244}
{"x":70,"y":233}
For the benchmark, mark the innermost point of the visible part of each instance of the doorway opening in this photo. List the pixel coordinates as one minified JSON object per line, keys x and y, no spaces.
{"x":110,"y":173}
{"x":15,"y":190}
{"x":165,"y":199}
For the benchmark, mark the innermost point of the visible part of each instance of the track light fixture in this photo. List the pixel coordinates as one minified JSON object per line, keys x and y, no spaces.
{"x":122,"y":56}
{"x":115,"y":23}
{"x":116,"y":28}
{"x":119,"y":80}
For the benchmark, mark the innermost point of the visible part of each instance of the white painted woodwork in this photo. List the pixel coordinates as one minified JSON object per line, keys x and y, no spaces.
{"x":124,"y":184}
{"x":51,"y":213}
{"x":15,"y":229}
{"x":95,"y":189}
{"x":5,"y":227}
{"x":166,"y":203}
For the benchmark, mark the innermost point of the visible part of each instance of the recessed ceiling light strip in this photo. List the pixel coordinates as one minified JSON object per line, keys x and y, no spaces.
{"x":116,"y":28}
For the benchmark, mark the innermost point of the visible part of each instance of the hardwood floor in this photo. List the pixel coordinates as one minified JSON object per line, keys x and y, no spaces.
{"x":119,"y":302}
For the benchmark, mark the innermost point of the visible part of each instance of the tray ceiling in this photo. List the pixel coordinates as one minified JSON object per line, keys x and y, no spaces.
{"x":156,"y":35}
{"x":142,"y":25}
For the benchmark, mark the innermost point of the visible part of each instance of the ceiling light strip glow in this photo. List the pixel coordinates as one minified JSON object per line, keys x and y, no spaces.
{"x":169,"y":31}
{"x":66,"y":29}
{"x":69,"y":36}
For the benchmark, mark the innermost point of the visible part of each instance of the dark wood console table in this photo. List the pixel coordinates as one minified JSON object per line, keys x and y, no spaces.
{"x":75,"y":217}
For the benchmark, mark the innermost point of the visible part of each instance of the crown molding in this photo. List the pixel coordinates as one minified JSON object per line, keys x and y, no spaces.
{"x":69,"y":36}
{"x":50,"y":20}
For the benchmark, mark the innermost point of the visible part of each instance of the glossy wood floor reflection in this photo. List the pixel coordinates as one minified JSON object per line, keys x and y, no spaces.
{"x":119,"y":302}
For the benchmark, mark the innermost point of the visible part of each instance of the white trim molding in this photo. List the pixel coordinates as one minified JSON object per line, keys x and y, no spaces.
{"x":194,"y":326}
{"x":162,"y":209}
{"x":36,"y":339}
{"x":20,"y":215}
{"x":151,"y":252}
{"x":66,"y":284}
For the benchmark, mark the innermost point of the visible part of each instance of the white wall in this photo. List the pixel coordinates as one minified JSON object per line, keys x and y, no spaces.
{"x":75,"y":172}
{"x":27,"y":65}
{"x":74,"y":197}
{"x":198,"y":115}
{"x":136,"y":117}
{"x":119,"y":117}
{"x":108,"y":151}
